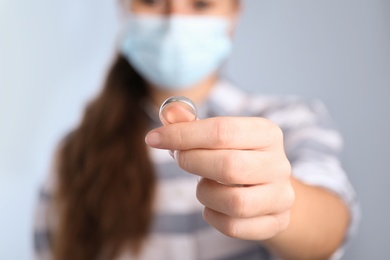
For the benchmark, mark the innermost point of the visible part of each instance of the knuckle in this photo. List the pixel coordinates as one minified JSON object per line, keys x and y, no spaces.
{"x":221,"y":126}
{"x":290,"y":196}
{"x":275,"y":132}
{"x":238,"y":204}
{"x":180,"y":137}
{"x":287,"y":198}
{"x":280,"y":223}
{"x":277,"y":136}
{"x":267,"y":124}
{"x":280,"y":166}
{"x":284,"y":221}
{"x":278,"y":132}
{"x":229,"y":169}
{"x":182,"y":159}
{"x":285,"y":168}
{"x":231,"y":228}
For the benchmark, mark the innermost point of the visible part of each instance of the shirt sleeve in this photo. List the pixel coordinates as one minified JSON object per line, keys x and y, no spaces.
{"x":313,"y":145}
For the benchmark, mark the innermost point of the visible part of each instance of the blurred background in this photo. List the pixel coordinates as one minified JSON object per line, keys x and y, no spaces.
{"x":54,"y":56}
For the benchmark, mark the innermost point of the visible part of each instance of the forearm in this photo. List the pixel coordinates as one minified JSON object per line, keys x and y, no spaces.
{"x":319,"y":220}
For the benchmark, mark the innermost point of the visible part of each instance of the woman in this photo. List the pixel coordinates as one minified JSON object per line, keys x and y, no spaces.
{"x":111,"y":196}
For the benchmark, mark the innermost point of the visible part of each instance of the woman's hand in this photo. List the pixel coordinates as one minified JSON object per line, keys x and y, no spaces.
{"x":245,"y":185}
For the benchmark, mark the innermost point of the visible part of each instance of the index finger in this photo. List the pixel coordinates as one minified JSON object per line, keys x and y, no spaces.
{"x":216,"y":133}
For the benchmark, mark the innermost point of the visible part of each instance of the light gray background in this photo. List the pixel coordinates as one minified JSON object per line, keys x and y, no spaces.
{"x":54,"y":54}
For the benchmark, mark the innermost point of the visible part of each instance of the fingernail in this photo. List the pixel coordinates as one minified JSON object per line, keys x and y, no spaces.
{"x":153,"y":139}
{"x":175,"y":155}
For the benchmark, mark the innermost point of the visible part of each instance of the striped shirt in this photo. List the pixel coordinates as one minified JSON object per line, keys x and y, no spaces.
{"x":178,"y":231}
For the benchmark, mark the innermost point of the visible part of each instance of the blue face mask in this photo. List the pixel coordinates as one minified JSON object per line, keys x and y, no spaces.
{"x":176,"y":52}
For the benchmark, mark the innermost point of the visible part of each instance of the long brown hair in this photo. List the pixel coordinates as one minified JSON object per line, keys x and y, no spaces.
{"x":105,"y":178}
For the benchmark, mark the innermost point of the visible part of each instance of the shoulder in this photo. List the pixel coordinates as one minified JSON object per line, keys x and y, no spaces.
{"x":286,"y":111}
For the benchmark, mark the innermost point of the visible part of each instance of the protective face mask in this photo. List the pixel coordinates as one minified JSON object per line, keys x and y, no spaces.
{"x":176,"y":52}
